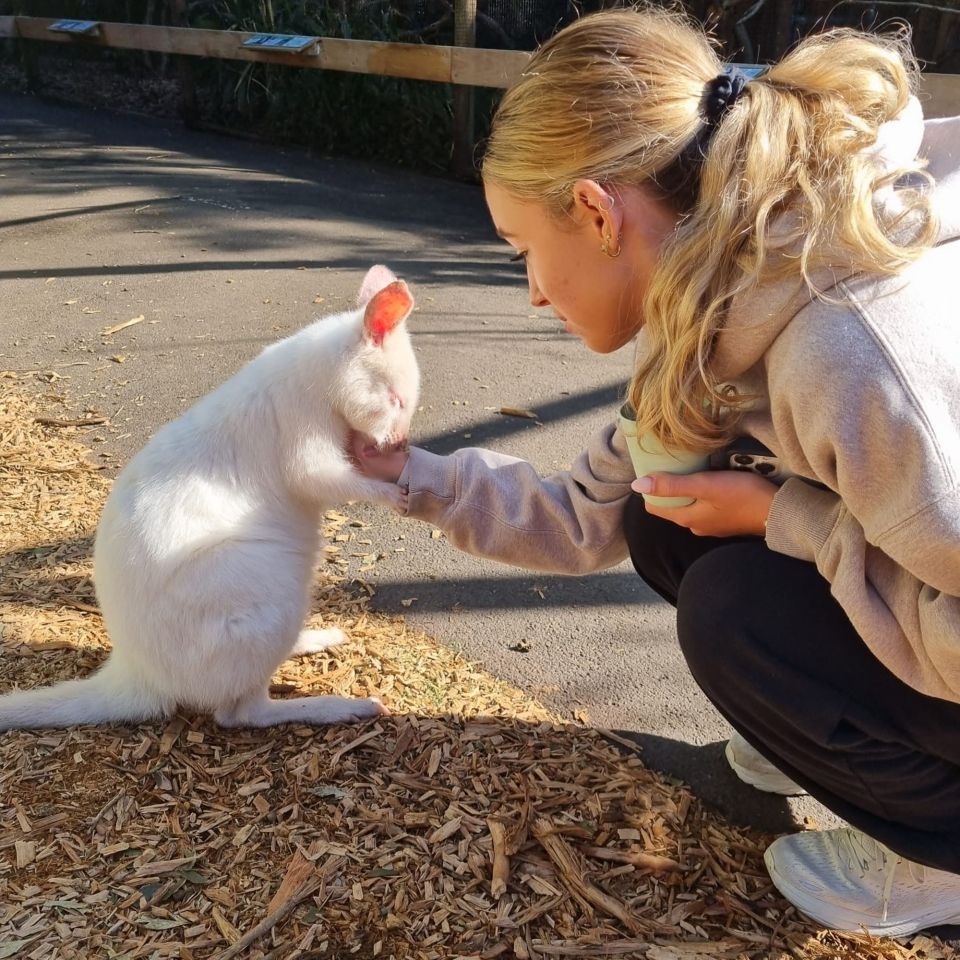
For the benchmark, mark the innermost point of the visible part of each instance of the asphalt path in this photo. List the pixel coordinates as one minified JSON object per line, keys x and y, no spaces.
{"x":224,"y":245}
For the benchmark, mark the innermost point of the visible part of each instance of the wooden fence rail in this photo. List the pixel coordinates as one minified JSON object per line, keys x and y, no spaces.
{"x":415,"y":61}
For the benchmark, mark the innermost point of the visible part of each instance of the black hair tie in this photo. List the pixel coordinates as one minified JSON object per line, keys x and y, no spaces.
{"x":721,"y":93}
{"x":680,"y":180}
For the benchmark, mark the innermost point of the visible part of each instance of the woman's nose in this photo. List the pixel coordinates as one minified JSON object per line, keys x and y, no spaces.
{"x":537,"y":299}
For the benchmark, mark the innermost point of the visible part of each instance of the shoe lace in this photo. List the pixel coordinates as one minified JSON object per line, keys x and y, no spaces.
{"x":864,"y":854}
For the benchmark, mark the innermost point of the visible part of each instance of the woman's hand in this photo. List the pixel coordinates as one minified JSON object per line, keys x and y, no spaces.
{"x":727,"y":503}
{"x":385,"y":463}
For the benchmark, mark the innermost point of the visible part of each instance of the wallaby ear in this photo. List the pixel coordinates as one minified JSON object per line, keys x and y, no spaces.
{"x":387,"y":310}
{"x":376,"y":279}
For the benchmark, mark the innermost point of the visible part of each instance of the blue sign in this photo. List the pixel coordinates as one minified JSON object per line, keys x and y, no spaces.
{"x":278,"y":41}
{"x":87,"y":27}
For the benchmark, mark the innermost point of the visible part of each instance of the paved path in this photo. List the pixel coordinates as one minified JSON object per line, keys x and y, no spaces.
{"x":223,"y":246}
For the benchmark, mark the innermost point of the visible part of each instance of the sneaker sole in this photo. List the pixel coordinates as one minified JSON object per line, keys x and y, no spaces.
{"x":772,"y":781}
{"x":820,"y":912}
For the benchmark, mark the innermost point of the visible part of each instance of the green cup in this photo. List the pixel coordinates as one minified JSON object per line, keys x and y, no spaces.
{"x":648,"y":455}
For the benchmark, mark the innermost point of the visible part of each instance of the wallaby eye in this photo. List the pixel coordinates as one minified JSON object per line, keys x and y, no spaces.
{"x":396,"y":399}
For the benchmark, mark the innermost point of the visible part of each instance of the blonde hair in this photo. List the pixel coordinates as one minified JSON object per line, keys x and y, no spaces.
{"x":617,"y":97}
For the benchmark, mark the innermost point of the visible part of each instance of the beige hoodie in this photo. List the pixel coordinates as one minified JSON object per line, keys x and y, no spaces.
{"x":861,"y":395}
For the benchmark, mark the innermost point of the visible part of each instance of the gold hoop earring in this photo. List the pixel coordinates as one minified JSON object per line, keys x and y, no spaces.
{"x":605,"y":247}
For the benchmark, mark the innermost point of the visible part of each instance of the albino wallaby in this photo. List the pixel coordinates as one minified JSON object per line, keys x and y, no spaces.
{"x":205,"y":551}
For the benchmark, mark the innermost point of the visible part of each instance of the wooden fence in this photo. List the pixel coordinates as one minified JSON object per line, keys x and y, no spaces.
{"x":463,"y":66}
{"x":414,"y":61}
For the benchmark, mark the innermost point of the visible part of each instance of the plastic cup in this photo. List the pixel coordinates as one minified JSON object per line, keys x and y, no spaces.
{"x":648,"y":455}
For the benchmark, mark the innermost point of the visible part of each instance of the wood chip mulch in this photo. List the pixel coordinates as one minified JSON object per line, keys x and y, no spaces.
{"x":469,"y":824}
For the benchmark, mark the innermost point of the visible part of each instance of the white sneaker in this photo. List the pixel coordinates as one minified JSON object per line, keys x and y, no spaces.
{"x":754,"y":768}
{"x":848,"y":881}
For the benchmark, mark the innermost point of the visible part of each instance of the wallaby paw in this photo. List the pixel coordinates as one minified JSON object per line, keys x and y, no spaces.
{"x":331,"y":710}
{"x":367,"y":709}
{"x":315,"y":641}
{"x":381,"y":706}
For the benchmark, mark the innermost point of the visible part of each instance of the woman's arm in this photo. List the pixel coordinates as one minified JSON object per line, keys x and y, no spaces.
{"x":495,"y":506}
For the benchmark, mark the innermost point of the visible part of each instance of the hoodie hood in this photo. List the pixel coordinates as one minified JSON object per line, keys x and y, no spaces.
{"x":758,"y":315}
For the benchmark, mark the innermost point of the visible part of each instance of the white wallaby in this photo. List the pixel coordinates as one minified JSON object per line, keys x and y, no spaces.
{"x":206,"y":548}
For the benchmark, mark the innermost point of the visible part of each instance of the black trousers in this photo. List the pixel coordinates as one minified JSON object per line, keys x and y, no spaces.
{"x":777,"y":656}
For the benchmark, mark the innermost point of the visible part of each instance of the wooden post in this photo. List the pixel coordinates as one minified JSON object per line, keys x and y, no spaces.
{"x":28,"y":54}
{"x":464,"y":35}
{"x":188,"y":99}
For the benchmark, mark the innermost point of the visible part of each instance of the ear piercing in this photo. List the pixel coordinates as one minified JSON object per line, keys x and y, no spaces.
{"x":605,"y":246}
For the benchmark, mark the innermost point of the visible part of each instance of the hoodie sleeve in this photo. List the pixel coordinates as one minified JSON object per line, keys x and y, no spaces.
{"x":878,"y":423}
{"x":495,"y":506}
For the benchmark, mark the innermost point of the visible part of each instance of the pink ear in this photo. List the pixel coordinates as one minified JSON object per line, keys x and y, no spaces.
{"x":388,"y":308}
{"x":376,"y":279}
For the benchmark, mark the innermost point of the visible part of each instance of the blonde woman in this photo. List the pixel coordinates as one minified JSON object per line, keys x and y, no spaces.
{"x":787,"y":249}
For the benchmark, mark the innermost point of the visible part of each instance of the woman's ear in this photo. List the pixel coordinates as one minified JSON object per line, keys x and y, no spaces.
{"x":599,"y":207}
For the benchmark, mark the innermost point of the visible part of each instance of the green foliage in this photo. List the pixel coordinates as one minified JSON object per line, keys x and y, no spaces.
{"x":120,"y":11}
{"x":406,"y":122}
{"x":401,"y":121}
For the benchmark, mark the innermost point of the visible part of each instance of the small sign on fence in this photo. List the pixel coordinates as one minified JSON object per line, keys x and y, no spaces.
{"x":280,"y":41}
{"x":79,"y":28}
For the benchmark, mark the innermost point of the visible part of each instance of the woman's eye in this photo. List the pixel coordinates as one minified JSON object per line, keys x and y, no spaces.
{"x":522,"y":255}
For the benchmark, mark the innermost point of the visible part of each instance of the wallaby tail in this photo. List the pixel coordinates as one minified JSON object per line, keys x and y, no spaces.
{"x":108,"y":696}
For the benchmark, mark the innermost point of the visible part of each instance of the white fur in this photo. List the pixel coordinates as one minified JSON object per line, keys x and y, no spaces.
{"x":205,"y":551}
